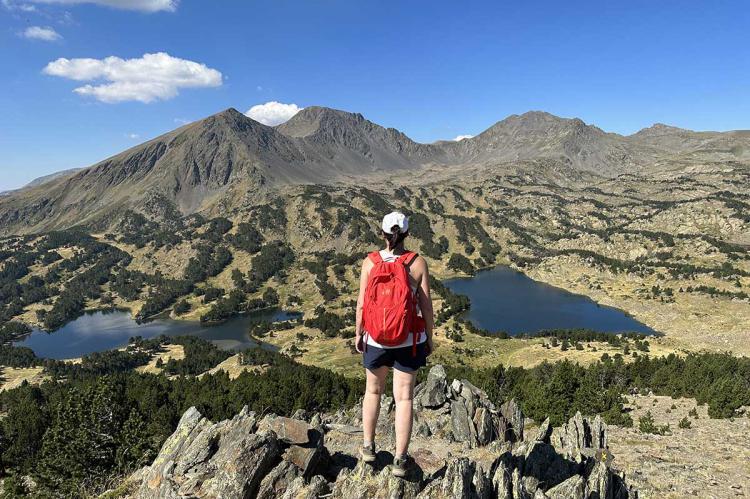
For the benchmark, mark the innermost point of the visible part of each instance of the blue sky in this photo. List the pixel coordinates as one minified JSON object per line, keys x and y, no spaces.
{"x":432,"y":69}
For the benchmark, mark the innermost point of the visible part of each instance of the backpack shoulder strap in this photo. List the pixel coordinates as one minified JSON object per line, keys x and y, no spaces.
{"x":375,"y":257}
{"x":407,"y":257}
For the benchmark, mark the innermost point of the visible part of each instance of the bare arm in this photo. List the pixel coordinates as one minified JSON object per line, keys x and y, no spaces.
{"x":425,"y":300}
{"x":364,"y":275}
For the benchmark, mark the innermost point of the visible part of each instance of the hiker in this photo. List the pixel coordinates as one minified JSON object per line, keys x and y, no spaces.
{"x":394,"y":330}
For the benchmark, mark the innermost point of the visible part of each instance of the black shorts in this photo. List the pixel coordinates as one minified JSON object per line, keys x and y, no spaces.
{"x":397,"y":358}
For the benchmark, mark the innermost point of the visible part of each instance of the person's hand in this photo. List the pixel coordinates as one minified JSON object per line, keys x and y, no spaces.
{"x":430,"y":347}
{"x":358,"y":342}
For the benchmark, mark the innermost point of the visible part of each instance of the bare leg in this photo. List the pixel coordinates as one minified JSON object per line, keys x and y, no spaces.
{"x":371,"y":402}
{"x":403,"y":394}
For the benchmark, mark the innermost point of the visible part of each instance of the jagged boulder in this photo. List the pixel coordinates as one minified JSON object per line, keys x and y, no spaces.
{"x":457,"y":482}
{"x":478,"y":396}
{"x":482,"y":482}
{"x":485,"y":430}
{"x":536,"y":469}
{"x":502,"y":478}
{"x":428,"y":462}
{"x":599,"y":482}
{"x":194,"y":459}
{"x":299,"y":489}
{"x":501,"y":428}
{"x":309,"y":459}
{"x":572,"y":488}
{"x":276,"y":483}
{"x":432,"y":392}
{"x":462,"y":424}
{"x":305,"y":443}
{"x":581,"y":436}
{"x":457,"y":411}
{"x":236,"y":459}
{"x":289,"y":430}
{"x":598,"y":433}
{"x":544,"y":433}
{"x":467,"y":411}
{"x":511,"y":411}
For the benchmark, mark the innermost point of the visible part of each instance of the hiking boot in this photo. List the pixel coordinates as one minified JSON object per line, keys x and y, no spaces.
{"x":401,"y":466}
{"x":368,"y":453}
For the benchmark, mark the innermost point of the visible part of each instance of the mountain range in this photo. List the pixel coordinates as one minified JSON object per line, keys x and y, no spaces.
{"x":43,"y":180}
{"x":229,"y":156}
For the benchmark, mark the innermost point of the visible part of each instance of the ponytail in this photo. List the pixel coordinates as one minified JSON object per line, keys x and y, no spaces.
{"x":395,"y":238}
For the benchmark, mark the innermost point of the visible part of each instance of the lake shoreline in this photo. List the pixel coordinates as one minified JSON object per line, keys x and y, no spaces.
{"x":507,"y":276}
{"x":102,"y":330}
{"x":545,"y":283}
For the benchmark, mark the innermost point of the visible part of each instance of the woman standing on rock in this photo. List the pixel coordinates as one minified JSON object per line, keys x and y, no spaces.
{"x":394,"y":330}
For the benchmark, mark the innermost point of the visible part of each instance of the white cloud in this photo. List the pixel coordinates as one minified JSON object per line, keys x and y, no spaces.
{"x":462,"y":137}
{"x":146,"y":79}
{"x":132,"y":135}
{"x":141,"y":5}
{"x":272,"y":113}
{"x":181,"y":121}
{"x":23,"y":7}
{"x":46,"y":34}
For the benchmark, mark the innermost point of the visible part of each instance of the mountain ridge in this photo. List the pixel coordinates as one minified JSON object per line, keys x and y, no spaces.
{"x":42,"y":180}
{"x":229,"y":158}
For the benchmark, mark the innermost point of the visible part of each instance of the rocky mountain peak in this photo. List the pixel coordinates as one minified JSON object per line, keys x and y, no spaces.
{"x":534,"y":123}
{"x":230,"y":112}
{"x":352,"y":142}
{"x":317,"y":119}
{"x":232,"y":119}
{"x":659,"y":129}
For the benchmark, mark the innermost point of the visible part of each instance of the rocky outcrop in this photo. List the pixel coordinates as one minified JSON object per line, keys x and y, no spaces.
{"x":283,"y":458}
{"x":581,"y":435}
{"x":432,"y":393}
{"x":457,"y":482}
{"x":278,"y":481}
{"x":376,"y":482}
{"x":511,"y":411}
{"x":462,"y":412}
{"x":226,"y":459}
{"x":544,"y":433}
{"x":306,"y":450}
{"x":572,"y":488}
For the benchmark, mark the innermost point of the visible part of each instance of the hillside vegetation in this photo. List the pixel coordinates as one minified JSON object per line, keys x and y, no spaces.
{"x":670,"y":257}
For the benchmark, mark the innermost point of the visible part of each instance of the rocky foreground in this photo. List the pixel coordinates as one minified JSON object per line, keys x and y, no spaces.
{"x":464,"y":446}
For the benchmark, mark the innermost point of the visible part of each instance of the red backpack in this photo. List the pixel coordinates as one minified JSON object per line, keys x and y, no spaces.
{"x":390,"y":307}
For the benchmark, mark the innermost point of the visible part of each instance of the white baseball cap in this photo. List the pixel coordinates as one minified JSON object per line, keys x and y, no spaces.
{"x":395,"y":218}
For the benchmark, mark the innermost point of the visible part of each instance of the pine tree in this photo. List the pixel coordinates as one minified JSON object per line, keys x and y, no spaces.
{"x":23,"y":428}
{"x":81,"y":442}
{"x":135,"y":447}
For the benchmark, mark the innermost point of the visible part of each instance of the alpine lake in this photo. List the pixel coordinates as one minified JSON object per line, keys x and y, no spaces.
{"x":502,"y":299}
